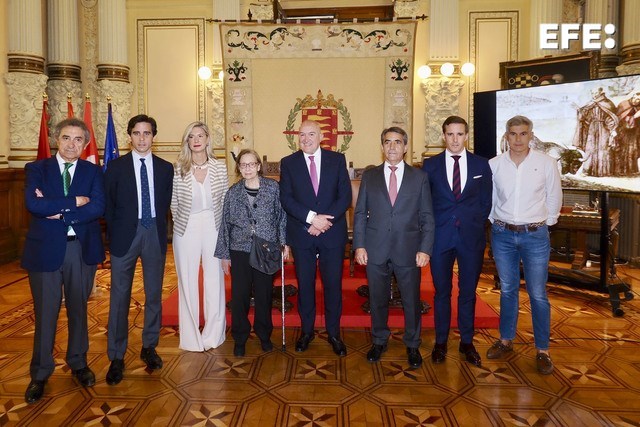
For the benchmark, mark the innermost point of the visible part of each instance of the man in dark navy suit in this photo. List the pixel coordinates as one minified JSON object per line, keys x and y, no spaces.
{"x":315,"y":191}
{"x":461,"y":189}
{"x":65,"y":197}
{"x":393,"y":235}
{"x":138,"y":191}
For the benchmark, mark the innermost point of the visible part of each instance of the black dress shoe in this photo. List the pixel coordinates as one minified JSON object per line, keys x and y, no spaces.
{"x":34,"y":392}
{"x":470,"y":354}
{"x":303,"y":342}
{"x":414,"y":357}
{"x":338,"y":346}
{"x":238,"y":350}
{"x":116,"y":372}
{"x":151,"y":358}
{"x":85,"y":377}
{"x":266,"y":345}
{"x":439,"y":353}
{"x":375,"y":352}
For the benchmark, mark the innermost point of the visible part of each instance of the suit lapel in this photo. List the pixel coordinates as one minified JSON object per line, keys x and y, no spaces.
{"x":53,"y":174}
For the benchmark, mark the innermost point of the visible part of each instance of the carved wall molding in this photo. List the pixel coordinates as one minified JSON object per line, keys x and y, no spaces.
{"x":406,"y":8}
{"x":120,"y":93}
{"x":261,"y":11}
{"x":215,"y":88}
{"x":57,"y":91}
{"x":475,"y":20}
{"x":442,"y":100}
{"x":627,"y":69}
{"x":25,"y":63}
{"x":25,"y":107}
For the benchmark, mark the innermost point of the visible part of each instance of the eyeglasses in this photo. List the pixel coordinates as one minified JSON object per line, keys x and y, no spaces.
{"x":250,"y":165}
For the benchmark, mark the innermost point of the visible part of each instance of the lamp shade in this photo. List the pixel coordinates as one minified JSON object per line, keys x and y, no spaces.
{"x":424,"y":72}
{"x":204,"y":73}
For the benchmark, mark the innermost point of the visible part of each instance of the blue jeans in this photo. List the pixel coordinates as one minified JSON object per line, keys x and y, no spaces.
{"x":533,"y":248}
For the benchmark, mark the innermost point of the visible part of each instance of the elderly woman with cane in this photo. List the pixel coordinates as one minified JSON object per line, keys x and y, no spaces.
{"x":251,"y":209}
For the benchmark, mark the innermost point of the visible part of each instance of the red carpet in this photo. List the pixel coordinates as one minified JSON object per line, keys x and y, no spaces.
{"x":352,"y":314}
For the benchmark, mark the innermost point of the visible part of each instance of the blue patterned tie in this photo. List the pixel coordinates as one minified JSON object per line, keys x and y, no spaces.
{"x":146,"y":197}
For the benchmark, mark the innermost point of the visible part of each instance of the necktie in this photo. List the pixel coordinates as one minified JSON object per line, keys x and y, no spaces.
{"x":393,"y":185}
{"x":457,"y":191}
{"x":66,"y":178}
{"x":314,"y":174}
{"x":146,"y":196}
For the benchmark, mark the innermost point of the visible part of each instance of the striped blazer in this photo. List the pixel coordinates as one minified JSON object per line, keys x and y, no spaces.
{"x":182,"y":194}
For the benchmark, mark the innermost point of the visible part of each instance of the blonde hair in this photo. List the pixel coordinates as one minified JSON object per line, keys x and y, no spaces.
{"x":183,"y":163}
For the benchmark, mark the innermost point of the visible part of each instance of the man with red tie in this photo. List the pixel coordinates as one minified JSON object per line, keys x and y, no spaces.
{"x":315,"y":191}
{"x":461,"y":189}
{"x":393,"y":234}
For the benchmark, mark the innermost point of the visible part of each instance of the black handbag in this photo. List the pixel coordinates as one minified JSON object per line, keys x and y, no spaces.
{"x":265,"y":256}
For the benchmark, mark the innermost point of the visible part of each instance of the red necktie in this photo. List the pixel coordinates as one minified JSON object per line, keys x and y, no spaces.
{"x":393,"y":185}
{"x":314,"y":174}
{"x":457,"y":190}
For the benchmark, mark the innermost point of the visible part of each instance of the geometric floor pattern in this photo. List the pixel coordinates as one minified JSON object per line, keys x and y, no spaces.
{"x":596,"y":380}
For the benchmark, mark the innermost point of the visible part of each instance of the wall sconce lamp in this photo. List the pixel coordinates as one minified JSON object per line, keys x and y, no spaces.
{"x":447,"y":70}
{"x":205,"y":73}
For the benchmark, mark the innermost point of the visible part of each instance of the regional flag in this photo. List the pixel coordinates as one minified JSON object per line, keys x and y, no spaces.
{"x":44,"y":150}
{"x":90,"y":152}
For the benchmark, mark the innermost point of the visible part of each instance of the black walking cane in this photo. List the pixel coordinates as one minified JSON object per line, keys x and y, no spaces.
{"x":282,"y":309}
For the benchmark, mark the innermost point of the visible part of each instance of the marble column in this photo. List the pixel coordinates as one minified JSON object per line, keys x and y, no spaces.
{"x":25,"y":80}
{"x":63,"y":66}
{"x":113,"y":71}
{"x":605,"y":12}
{"x":630,"y":44}
{"x":543,"y":12}
{"x":442,"y":93}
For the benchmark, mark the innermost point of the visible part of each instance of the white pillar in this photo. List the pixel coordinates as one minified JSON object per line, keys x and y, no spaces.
{"x":26,"y":81}
{"x":605,"y":12}
{"x":63,"y":66}
{"x":113,"y":69}
{"x":543,"y":12}
{"x":630,"y":44}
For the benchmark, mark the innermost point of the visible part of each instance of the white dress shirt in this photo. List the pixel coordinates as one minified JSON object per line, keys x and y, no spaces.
{"x":316,"y":160}
{"x":137,"y":164}
{"x":72,"y":170}
{"x":462,"y":161}
{"x":526,"y":193}
{"x":399,"y":174}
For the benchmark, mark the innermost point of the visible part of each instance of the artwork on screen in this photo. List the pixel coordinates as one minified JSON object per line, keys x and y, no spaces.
{"x":591,"y":127}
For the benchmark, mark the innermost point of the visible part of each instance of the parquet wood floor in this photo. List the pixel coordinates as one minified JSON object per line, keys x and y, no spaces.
{"x":596,"y":381}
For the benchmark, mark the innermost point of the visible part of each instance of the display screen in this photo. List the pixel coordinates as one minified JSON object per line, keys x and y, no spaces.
{"x":592,"y":128}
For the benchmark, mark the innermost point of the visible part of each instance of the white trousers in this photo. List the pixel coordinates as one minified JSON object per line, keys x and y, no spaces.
{"x":198,"y":245}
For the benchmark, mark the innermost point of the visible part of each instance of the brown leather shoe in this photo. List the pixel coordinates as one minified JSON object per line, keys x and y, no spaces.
{"x":498,"y":350}
{"x":544,"y":363}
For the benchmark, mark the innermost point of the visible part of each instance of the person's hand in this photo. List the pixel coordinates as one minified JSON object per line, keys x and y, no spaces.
{"x":314,"y":231}
{"x":361,"y":256}
{"x":322,"y":222}
{"x":226,"y":266}
{"x":286,"y":252}
{"x":82,"y":200}
{"x":39,"y":193}
{"x":422,"y":259}
{"x":56,"y":216}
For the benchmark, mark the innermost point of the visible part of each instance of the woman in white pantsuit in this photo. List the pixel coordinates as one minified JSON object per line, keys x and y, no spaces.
{"x":200,"y":183}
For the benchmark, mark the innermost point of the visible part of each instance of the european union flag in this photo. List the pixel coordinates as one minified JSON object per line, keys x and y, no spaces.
{"x":110,"y":141}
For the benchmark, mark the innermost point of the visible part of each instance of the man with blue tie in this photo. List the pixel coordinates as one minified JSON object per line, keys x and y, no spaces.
{"x":393,"y":235}
{"x":138,"y":190}
{"x":65,"y":197}
{"x":315,"y":191}
{"x":461,"y":189}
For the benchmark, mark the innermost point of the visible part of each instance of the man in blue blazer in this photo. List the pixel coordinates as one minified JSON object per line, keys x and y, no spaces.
{"x":461,"y":188}
{"x":393,"y":234}
{"x":138,"y":191}
{"x":315,"y":191}
{"x":65,"y":197}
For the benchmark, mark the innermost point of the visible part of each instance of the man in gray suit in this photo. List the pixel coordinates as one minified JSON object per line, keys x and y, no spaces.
{"x":393,"y":234}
